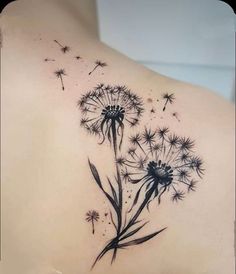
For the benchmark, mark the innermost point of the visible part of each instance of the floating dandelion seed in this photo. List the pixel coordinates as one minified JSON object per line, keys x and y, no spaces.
{"x":49,"y":60}
{"x":161,"y":162}
{"x":106,"y":109}
{"x":64,"y":49}
{"x":176,"y":115}
{"x":178,"y":196}
{"x":98,"y":64}
{"x":169,"y":99}
{"x":92,"y":216}
{"x":60,"y":73}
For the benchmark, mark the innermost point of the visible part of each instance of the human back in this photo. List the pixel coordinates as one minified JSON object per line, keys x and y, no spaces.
{"x":107,"y":161}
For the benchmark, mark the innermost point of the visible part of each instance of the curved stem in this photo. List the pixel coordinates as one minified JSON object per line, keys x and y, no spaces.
{"x":120,"y":189}
{"x":93,"y":226}
{"x":113,"y":244}
{"x":140,"y":209}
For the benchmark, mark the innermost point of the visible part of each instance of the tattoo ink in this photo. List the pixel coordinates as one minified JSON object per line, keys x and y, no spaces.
{"x":59,"y":74}
{"x":49,"y":60}
{"x":98,"y":64}
{"x":158,"y":162}
{"x":176,"y":116}
{"x":64,"y":49}
{"x":92,"y":216}
{"x":169,"y":98}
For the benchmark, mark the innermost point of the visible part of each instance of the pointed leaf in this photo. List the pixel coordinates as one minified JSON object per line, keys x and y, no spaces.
{"x":95,"y":174}
{"x":97,"y":179}
{"x":133,"y":232}
{"x":113,"y":191}
{"x":141,"y":240}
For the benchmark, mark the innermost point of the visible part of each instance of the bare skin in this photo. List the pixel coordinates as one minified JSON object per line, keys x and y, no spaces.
{"x":47,"y":186}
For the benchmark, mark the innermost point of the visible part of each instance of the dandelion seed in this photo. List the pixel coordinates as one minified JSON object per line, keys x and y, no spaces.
{"x":92,"y":216}
{"x":64,"y":49}
{"x":176,"y":115}
{"x":186,"y":144}
{"x":169,"y":99}
{"x":148,"y":136}
{"x":98,"y":64}
{"x":178,"y":196}
{"x":192,"y":185}
{"x":49,"y":60}
{"x":60,"y":73}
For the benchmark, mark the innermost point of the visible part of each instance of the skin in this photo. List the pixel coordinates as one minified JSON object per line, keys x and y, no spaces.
{"x":46,"y":184}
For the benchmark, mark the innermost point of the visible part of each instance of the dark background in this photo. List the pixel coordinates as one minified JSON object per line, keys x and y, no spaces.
{"x":5,"y":2}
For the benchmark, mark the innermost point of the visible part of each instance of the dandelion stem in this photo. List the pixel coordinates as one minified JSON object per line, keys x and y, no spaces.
{"x":58,"y":43}
{"x":93,"y":226}
{"x":164,"y":108}
{"x":62,"y":84}
{"x":93,"y":70}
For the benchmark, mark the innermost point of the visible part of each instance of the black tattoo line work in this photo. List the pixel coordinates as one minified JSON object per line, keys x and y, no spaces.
{"x":105,"y":110}
{"x":176,"y":115}
{"x":60,"y":73}
{"x":152,"y":110}
{"x":158,"y":162}
{"x":169,"y":99}
{"x":49,"y":60}
{"x":92,"y":216}
{"x":64,"y":49}
{"x":98,"y":64}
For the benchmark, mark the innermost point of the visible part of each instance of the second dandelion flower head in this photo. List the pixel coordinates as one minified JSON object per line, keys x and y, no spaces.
{"x":160,"y":161}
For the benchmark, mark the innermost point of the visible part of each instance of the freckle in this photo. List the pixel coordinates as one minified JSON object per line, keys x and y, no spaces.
{"x":149,"y":100}
{"x":126,"y":202}
{"x":109,"y":223}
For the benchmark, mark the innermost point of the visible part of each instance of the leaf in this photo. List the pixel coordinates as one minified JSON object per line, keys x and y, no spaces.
{"x":97,"y":179}
{"x":136,"y":197}
{"x":113,"y":191}
{"x":141,"y":240}
{"x":133,"y":232}
{"x":95,"y":174}
{"x":112,"y":220}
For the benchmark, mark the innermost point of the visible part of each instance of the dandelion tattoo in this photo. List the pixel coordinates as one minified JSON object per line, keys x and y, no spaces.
{"x":105,"y":111}
{"x":98,"y":64}
{"x":59,"y":74}
{"x":169,"y":98}
{"x":64,"y":49}
{"x":92,"y":216}
{"x":158,"y":163}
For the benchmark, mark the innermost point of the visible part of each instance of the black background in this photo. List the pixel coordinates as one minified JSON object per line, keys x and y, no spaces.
{"x":5,"y":2}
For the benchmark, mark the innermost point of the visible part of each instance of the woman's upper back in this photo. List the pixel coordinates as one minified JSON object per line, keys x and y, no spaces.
{"x":105,"y":161}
